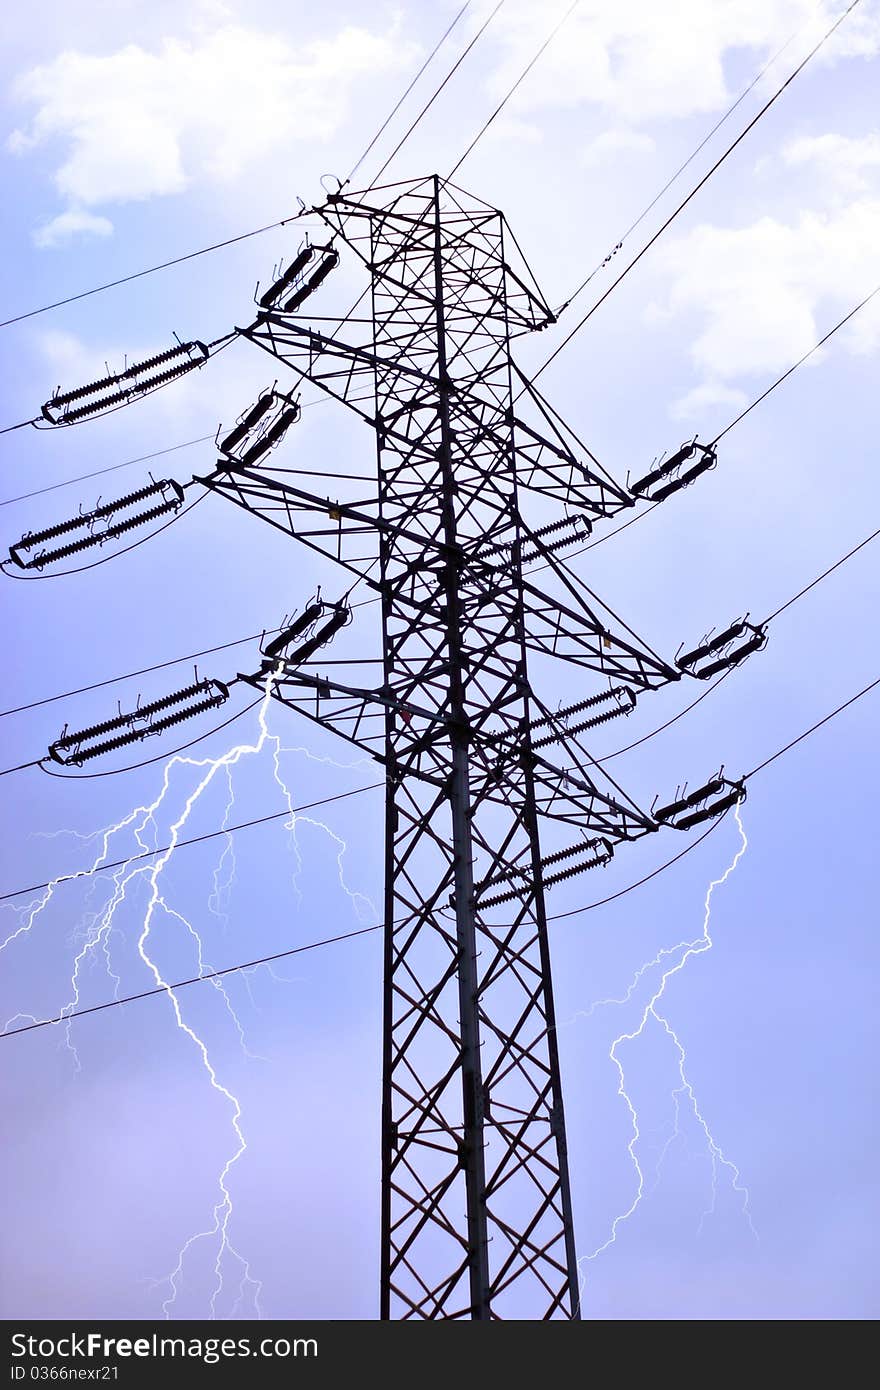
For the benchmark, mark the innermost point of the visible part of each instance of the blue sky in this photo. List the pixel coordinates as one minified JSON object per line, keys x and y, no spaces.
{"x":132,"y":134}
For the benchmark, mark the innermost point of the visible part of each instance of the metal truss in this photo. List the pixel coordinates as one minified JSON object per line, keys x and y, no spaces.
{"x":481,"y":818}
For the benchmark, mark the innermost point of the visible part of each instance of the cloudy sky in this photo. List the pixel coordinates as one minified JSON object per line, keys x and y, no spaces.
{"x":132,"y":134}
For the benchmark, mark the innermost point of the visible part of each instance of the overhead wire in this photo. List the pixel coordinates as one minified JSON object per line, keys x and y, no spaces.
{"x":680,"y":170}
{"x":501,"y":105}
{"x":183,"y":844}
{"x":389,"y":118}
{"x":148,"y":762}
{"x":696,"y":189}
{"x":426,"y":108}
{"x":81,"y":569}
{"x":375,"y":927}
{"x":144,"y":671}
{"x":801,"y":360}
{"x":652,"y":506}
{"x":99,"y":472}
{"x":239,"y":641}
{"x":150,"y":270}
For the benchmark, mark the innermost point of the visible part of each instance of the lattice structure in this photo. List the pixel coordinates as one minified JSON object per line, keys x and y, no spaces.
{"x":476,"y":1213}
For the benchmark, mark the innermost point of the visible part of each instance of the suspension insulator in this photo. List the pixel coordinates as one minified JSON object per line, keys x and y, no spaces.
{"x":19,"y":557}
{"x":733,"y":798}
{"x":77,"y":748}
{"x":572,"y":851}
{"x":598,"y":853}
{"x":626,"y":703}
{"x":528,"y":556}
{"x":179,"y":350}
{"x":274,"y":650}
{"x":272,"y":436}
{"x":694,"y":663}
{"x":136,"y":380}
{"x":581,"y":525}
{"x":246,"y":424}
{"x":645,"y":487}
{"x":671,"y":814}
{"x":321,"y":637}
{"x":330,"y":261}
{"x":293,"y":270}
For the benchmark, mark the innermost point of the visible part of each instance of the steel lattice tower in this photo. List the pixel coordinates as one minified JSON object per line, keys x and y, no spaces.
{"x":476,"y":1209}
{"x":479,"y":818}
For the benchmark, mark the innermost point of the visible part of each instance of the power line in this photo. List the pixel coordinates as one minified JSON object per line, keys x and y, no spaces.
{"x":219,"y":245}
{"x":715,"y":684}
{"x":82,"y":569}
{"x":622,"y":892}
{"x":181,"y":844}
{"x":241,"y":640}
{"x":694,"y":191}
{"x":314,"y":945}
{"x":348,"y":936}
{"x":144,"y":671}
{"x":148,"y":762}
{"x":426,"y":108}
{"x":158,"y":453}
{"x":680,"y":170}
{"x":669,"y":722}
{"x":525,"y":72}
{"x":824,"y":575}
{"x":113,"y":468}
{"x":812,"y":729}
{"x":801,"y":360}
{"x":364,"y":931}
{"x":394,"y":112}
{"x":139,"y":274}
{"x":193,"y":980}
{"x":607,"y":535}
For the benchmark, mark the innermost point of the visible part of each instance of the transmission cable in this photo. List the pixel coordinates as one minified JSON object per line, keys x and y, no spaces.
{"x":426,"y":108}
{"x":703,"y":181}
{"x":680,"y":170}
{"x":525,"y":72}
{"x":801,"y":360}
{"x":742,"y":415}
{"x":364,"y":931}
{"x":113,"y":468}
{"x":159,"y":758}
{"x":144,"y":671}
{"x":181,"y":844}
{"x":239,"y":641}
{"x":393,"y":113}
{"x":151,"y":270}
{"x":82,"y":569}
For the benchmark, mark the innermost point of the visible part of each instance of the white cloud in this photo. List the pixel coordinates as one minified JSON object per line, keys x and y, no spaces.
{"x":697,"y":402}
{"x":138,"y":124}
{"x":766,"y":292}
{"x":644,"y":61}
{"x":844,"y":162}
{"x":615,"y":142}
{"x":75,"y":222}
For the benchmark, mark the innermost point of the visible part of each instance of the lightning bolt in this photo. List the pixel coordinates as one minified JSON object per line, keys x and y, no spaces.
{"x":364,"y":907}
{"x":223,"y":887}
{"x":94,"y":941}
{"x":651,"y":1015}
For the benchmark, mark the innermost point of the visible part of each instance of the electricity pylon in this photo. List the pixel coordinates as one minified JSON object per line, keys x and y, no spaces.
{"x":476,"y":1207}
{"x":480,"y":819}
